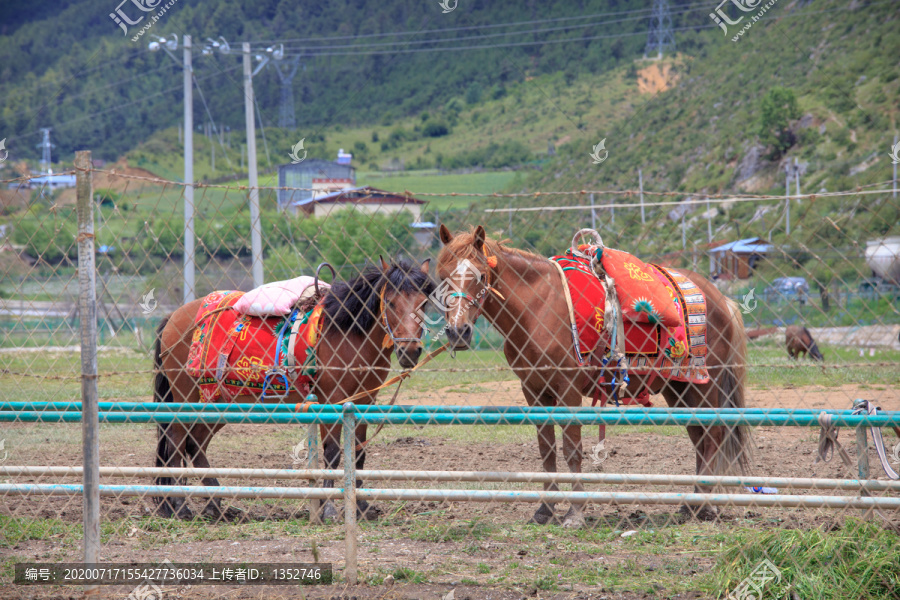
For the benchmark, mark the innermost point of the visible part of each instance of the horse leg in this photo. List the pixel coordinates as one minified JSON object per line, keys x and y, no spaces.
{"x":546,"y":435}
{"x":574,"y":456}
{"x":679,"y":394}
{"x":171,"y":453}
{"x":197,"y":443}
{"x":331,"y":450}
{"x":364,"y":510}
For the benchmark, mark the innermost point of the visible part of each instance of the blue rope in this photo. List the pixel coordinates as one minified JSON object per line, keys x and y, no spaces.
{"x":275,"y":371}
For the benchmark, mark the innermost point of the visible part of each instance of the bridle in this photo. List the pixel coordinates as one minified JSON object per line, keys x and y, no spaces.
{"x":390,"y":340}
{"x":478,"y":301}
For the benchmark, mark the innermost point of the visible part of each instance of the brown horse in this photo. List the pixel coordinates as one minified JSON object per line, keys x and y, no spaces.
{"x":521,"y":295}
{"x":799,"y":341}
{"x":353,"y":354}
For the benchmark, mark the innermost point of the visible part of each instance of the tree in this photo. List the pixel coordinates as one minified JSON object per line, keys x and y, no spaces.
{"x":778,"y":108}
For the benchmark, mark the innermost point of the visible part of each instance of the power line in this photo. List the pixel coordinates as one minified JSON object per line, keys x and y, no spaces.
{"x":467,"y":28}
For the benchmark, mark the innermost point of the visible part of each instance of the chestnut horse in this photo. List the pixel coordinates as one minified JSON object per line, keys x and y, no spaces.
{"x":521,"y":295}
{"x":353,"y":354}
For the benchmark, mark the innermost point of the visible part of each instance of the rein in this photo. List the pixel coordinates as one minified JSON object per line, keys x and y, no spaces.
{"x":304,"y":406}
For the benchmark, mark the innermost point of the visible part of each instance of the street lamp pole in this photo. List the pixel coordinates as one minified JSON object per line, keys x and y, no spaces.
{"x":255,"y":227}
{"x":170,"y":45}
{"x":188,"y":173}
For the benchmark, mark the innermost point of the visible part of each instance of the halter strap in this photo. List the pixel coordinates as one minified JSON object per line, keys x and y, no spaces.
{"x":390,"y":339}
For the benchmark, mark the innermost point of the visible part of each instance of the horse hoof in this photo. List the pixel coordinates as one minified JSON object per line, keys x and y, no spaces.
{"x":573,"y":520}
{"x":701,"y":513}
{"x":329,"y":513}
{"x":368,"y":513}
{"x":174,"y":507}
{"x":543,"y":515}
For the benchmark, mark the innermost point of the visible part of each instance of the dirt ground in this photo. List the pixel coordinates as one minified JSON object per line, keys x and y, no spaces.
{"x":437,"y":539}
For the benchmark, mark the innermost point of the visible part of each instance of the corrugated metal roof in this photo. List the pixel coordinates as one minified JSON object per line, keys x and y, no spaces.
{"x":745,"y":246}
{"x":345,"y":191}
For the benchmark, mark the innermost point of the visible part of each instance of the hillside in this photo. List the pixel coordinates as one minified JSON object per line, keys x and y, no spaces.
{"x":840,"y":61}
{"x":71,"y":68}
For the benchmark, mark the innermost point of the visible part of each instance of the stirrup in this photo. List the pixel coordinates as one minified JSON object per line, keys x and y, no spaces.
{"x":275,"y":371}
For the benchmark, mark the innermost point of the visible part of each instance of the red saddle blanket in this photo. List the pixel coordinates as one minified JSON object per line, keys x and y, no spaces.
{"x":672,"y":351}
{"x":231,"y":352}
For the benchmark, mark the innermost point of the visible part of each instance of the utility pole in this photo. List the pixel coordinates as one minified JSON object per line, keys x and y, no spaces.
{"x":641,"y":185}
{"x":787,"y":199}
{"x":895,"y":169}
{"x":188,"y":173}
{"x":255,"y":234}
{"x":45,"y":147}
{"x":593,"y":215}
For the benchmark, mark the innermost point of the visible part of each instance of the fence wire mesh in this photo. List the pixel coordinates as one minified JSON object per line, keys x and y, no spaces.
{"x":793,"y":311}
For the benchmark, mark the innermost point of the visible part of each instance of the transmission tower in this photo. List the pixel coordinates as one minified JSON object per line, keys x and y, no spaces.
{"x":286,"y":118}
{"x":660,"y":37}
{"x":45,"y":147}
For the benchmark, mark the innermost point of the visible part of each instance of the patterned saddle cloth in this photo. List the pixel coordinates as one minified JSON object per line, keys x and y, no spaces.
{"x":672,"y":347}
{"x":231,"y":353}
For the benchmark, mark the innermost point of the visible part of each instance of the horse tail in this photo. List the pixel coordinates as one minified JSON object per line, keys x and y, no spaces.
{"x":734,"y":453}
{"x":162,"y":392}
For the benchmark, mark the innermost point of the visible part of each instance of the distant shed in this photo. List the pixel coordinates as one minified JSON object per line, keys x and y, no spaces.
{"x":737,"y":259}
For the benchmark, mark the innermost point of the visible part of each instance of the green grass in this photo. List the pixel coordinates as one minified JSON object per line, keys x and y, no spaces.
{"x":859,"y":561}
{"x":419,"y":183}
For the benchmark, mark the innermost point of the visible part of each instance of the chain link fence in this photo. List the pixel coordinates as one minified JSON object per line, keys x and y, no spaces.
{"x":790,"y":311}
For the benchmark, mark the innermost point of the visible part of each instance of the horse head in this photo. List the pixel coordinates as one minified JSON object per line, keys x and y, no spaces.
{"x":466,"y":268}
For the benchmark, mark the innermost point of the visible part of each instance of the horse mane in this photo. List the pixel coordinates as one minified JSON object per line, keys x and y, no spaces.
{"x":462,"y":247}
{"x":354,"y":306}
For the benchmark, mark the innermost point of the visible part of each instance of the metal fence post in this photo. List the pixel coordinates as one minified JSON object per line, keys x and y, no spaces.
{"x":312,"y":462}
{"x":349,"y":435}
{"x":87,"y":308}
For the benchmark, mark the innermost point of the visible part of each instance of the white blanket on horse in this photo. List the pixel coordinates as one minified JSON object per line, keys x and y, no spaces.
{"x":277,"y":298}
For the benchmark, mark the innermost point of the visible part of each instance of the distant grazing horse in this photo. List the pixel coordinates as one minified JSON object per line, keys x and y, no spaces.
{"x":363,"y":320}
{"x":800,"y":341}
{"x":521,"y":295}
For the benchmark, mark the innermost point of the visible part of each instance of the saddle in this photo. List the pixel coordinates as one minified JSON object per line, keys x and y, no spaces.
{"x":234,"y":354}
{"x":663,"y":313}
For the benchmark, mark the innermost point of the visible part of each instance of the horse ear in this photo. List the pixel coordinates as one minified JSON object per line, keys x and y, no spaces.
{"x":425,"y":264}
{"x":445,"y":234}
{"x":384,"y":266}
{"x":479,"y":238}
